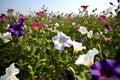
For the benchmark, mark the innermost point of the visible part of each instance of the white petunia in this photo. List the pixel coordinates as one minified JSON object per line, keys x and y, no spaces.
{"x":78,"y":46}
{"x":11,"y":71}
{"x":6,"y":37}
{"x":87,"y":59}
{"x":61,"y":41}
{"x":83,"y":30}
{"x":90,"y":34}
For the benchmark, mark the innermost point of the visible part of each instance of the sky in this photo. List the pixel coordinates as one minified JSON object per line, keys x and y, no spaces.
{"x":65,"y":6}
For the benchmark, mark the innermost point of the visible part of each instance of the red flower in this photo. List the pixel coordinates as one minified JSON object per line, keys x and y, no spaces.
{"x":84,"y":6}
{"x":10,"y":11}
{"x":2,"y":15}
{"x":102,"y":17}
{"x":36,"y":25}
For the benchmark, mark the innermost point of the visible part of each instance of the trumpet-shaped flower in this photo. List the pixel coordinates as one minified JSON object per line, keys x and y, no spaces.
{"x":87,"y":59}
{"x":16,"y":29}
{"x":77,"y":45}
{"x":61,"y":41}
{"x":83,"y":30}
{"x":11,"y":71}
{"x":6,"y":37}
{"x":106,"y":69}
{"x":90,"y":34}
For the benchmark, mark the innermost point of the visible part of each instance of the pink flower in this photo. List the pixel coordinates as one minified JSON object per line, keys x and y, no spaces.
{"x":39,"y":13}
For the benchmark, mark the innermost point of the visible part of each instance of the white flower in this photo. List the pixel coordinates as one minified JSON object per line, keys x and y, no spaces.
{"x":0,"y":35}
{"x":90,"y":34}
{"x":56,"y":24}
{"x":6,"y":37}
{"x":73,"y":24}
{"x":87,"y":59}
{"x":61,"y":41}
{"x":77,"y":46}
{"x":83,"y":30}
{"x":11,"y":71}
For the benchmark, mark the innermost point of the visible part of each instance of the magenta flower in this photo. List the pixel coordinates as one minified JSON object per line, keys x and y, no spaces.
{"x":21,"y":18}
{"x":39,"y":13}
{"x":105,"y":69}
{"x":16,"y":29}
{"x":3,"y":17}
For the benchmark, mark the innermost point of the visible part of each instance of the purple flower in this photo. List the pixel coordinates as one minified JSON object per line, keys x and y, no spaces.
{"x":16,"y":29}
{"x":105,"y":69}
{"x":79,"y":40}
{"x":107,"y":26}
{"x":21,"y":20}
{"x":70,"y":74}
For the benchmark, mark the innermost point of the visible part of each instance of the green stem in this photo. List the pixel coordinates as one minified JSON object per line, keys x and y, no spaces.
{"x":100,"y":51}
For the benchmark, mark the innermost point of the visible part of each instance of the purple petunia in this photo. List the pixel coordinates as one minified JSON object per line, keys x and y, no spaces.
{"x":70,"y":74}
{"x":79,"y":40}
{"x":16,"y":29}
{"x":107,"y":26}
{"x":106,"y":69}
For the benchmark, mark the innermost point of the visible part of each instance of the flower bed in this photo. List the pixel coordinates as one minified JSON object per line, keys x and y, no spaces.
{"x":59,"y":47}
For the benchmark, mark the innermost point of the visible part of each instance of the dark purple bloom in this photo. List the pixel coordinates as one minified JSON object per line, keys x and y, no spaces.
{"x":79,"y":40}
{"x":107,"y":26}
{"x":16,"y":29}
{"x":21,"y":20}
{"x":69,"y":74}
{"x":106,"y":69}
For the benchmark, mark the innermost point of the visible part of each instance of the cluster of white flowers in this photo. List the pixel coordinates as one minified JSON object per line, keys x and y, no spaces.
{"x":84,"y":31}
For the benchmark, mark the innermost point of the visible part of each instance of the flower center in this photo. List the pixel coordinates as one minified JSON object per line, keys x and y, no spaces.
{"x":16,"y":30}
{"x":61,"y":41}
{"x":105,"y":75}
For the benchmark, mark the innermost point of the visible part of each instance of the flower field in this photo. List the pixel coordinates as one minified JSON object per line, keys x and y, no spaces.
{"x":49,"y":46}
